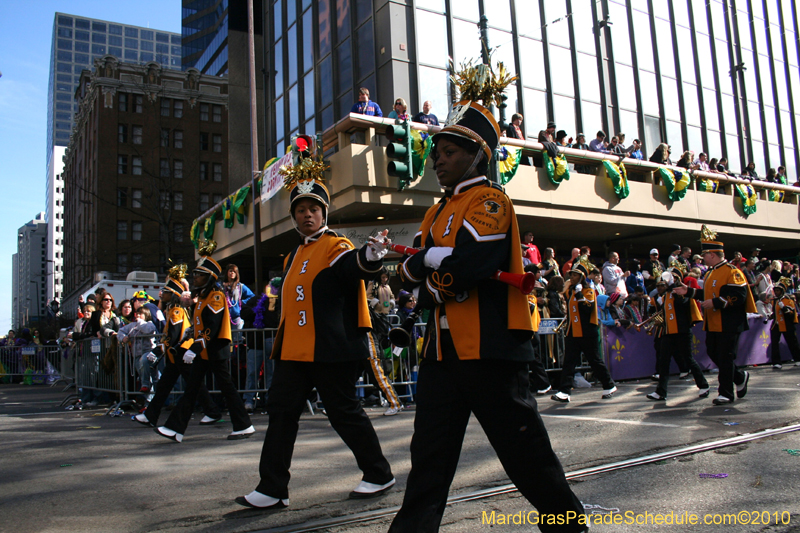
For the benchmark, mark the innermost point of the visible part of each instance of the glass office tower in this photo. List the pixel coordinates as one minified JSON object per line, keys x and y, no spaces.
{"x":204,"y":28}
{"x":718,"y":76}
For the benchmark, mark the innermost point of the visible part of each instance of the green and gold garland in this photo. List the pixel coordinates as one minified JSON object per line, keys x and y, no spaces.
{"x":748,"y":195}
{"x":557,"y":170}
{"x":676,"y":183}
{"x":619,"y":178}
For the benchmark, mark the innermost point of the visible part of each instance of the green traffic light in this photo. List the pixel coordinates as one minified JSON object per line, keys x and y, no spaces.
{"x":396,"y":150}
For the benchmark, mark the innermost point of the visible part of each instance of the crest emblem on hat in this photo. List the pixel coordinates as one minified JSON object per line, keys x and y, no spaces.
{"x":457,"y":113}
{"x":305,"y":187}
{"x":491,"y":207}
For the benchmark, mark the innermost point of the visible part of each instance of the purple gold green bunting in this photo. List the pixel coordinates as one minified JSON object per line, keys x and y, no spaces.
{"x":557,"y":170}
{"x":420,"y":149}
{"x":508,"y":162}
{"x":194,"y":233}
{"x":748,"y":195}
{"x":619,"y":178}
{"x":676,"y":183}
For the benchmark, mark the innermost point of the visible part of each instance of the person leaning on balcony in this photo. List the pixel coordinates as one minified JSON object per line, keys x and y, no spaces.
{"x":561,"y":138}
{"x":702,"y":162}
{"x":599,"y":143}
{"x":635,"y":150}
{"x":400,"y":110}
{"x":425,"y":116}
{"x":750,"y":171}
{"x":365,"y":106}
{"x":722,"y":166}
{"x":580,"y":144}
{"x":661,"y":155}
{"x":548,"y":134}
{"x":772,"y":176}
{"x":686,"y":161}
{"x":615,"y":147}
{"x":515,"y":131}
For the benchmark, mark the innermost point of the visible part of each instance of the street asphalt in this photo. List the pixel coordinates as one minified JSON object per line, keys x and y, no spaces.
{"x":86,"y":471}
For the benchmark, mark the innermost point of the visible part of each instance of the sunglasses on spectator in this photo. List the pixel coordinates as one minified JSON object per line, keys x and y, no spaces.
{"x":107,"y":300}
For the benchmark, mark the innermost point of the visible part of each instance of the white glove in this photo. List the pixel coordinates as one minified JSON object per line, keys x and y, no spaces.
{"x":373,"y":302}
{"x":434,"y":256}
{"x":151,"y":357}
{"x":376,"y":247}
{"x":660,"y":300}
{"x":188,"y":357}
{"x":578,"y":288}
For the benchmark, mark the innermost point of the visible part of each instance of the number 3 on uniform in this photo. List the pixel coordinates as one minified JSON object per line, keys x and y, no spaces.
{"x":302,"y":321}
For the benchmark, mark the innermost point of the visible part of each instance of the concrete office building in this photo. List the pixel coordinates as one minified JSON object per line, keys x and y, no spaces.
{"x":29,"y":299}
{"x":77,"y":41}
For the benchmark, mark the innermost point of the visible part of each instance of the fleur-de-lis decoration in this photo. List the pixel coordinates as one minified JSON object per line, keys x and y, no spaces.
{"x":618,"y":347}
{"x":764,"y":338}
{"x":695,"y":346}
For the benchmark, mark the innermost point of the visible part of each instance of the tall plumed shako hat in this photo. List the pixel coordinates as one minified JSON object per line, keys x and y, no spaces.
{"x":306,"y":180}
{"x":174,"y":277}
{"x":471,"y":121}
{"x":207,"y":264}
{"x":582,"y":266}
{"x":709,"y":241}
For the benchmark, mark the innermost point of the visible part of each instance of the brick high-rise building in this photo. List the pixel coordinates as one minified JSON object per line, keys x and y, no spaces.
{"x":148,"y":154}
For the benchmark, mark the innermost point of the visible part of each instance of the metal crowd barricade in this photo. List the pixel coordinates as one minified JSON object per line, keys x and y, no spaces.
{"x":30,"y":364}
{"x":97,"y":370}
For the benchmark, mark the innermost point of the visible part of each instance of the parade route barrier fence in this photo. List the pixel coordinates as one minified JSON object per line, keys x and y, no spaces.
{"x":30,"y":364}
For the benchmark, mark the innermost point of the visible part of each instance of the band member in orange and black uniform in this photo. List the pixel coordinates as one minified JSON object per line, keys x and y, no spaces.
{"x":476,"y":348}
{"x":582,"y":336}
{"x":725,"y":300}
{"x":322,"y":341}
{"x":172,"y":349}
{"x":785,"y":318}
{"x":680,"y":314}
{"x":209,"y":352}
{"x":540,"y":382}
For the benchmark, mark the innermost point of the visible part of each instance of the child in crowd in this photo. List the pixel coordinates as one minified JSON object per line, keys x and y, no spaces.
{"x":141,"y":337}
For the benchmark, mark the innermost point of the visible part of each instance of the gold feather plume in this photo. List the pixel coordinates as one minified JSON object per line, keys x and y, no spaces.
{"x":206,"y":248}
{"x":480,"y":83}
{"x":178,"y":272}
{"x":707,"y":235}
{"x":308,"y":169}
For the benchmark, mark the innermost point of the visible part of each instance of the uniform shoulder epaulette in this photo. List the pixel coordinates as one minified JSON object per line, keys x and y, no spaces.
{"x":496,"y":186}
{"x":334,"y":233}
{"x":216,"y":301}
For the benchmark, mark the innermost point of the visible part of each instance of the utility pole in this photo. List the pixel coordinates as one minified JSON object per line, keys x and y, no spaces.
{"x":254,"y":149}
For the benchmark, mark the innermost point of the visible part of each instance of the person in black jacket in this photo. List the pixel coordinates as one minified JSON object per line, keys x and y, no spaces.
{"x":515,"y":131}
{"x":261,"y":313}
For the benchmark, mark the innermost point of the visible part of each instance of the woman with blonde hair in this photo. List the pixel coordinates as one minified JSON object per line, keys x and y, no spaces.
{"x":400,"y":109}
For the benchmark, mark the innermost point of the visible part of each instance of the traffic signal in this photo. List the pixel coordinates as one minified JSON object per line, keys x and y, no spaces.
{"x":400,"y":148}
{"x":302,"y":147}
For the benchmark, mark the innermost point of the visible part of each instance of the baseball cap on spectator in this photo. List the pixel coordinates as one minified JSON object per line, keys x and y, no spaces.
{"x":654,"y":251}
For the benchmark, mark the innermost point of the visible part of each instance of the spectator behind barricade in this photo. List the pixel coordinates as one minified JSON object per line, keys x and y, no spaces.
{"x":692,"y":278}
{"x":126,"y":312}
{"x":685,"y":257}
{"x":237,"y":293}
{"x":380,"y":295}
{"x":81,"y":326}
{"x":621,"y":142}
{"x":764,"y":279}
{"x":400,"y":110}
{"x":104,"y":322}
{"x":537,"y":275}
{"x":737,"y":260}
{"x":142,"y":299}
{"x":697,"y":262}
{"x":635,"y":278}
{"x":515,"y":131}
{"x":702,"y":162}
{"x":750,"y":274}
{"x":365,"y":106}
{"x":596,"y":281}
{"x":617,"y":312}
{"x":10,"y":339}
{"x":549,"y":266}
{"x":426,"y":116}
{"x":140,"y":335}
{"x":636,"y":307}
{"x":599,"y":144}
{"x":614,"y":277}
{"x":530,"y":252}
{"x":576,"y":253}
{"x":686,"y":161}
{"x":661,"y":155}
{"x":604,"y":304}
{"x":635,"y":150}
{"x":548,"y":134}
{"x":764,"y":306}
{"x":561,"y":138}
{"x":262,"y":313}
{"x":750,"y":171}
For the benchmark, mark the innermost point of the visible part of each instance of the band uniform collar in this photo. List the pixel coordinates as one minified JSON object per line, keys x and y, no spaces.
{"x":723,"y":262}
{"x":468,"y":184}
{"x":315,"y":237}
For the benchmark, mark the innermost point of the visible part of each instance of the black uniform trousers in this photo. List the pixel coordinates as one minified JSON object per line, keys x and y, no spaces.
{"x":172,"y":371}
{"x":679,"y":346}
{"x":539,"y":378}
{"x":292,"y":382}
{"x":721,"y":349}
{"x":682,"y":364}
{"x":497,"y":392}
{"x":179,"y":418}
{"x":588,"y":346}
{"x":791,"y":339}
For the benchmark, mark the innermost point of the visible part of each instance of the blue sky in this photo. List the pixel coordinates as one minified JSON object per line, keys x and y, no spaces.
{"x":26,"y":29}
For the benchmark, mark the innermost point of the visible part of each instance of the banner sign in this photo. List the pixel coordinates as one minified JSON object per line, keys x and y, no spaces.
{"x":272,"y":181}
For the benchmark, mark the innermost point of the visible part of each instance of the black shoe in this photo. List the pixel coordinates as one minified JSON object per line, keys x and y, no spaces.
{"x":741,"y":390}
{"x":656,"y":397}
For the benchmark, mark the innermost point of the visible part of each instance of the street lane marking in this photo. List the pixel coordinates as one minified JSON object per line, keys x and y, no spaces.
{"x":618,"y":421}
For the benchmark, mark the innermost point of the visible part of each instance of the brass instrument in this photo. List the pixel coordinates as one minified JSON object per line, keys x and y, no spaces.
{"x":563,"y":326}
{"x":651,"y":323}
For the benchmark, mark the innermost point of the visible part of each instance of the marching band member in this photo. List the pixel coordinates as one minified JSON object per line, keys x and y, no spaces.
{"x":477,"y":345}
{"x":322,"y":340}
{"x":582,"y":335}
{"x":726,"y":300}
{"x":172,"y":347}
{"x":208,"y":353}
{"x":785,"y":317}
{"x":679,"y":315}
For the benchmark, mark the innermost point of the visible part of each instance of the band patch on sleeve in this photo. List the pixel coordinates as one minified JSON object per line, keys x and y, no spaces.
{"x":489,"y":214}
{"x":217,"y":302}
{"x":338,"y":249}
{"x":737,"y":277}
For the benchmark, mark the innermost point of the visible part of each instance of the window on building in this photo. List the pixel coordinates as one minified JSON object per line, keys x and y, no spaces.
{"x":178,"y":230}
{"x":217,"y":198}
{"x":163,"y":200}
{"x":204,"y":142}
{"x":123,"y":102}
{"x":136,"y":231}
{"x":136,"y":261}
{"x":122,"y":230}
{"x":177,"y":169}
{"x":177,"y":138}
{"x":122,"y":164}
{"x":122,"y":263}
{"x":122,"y":133}
{"x":203,"y":203}
{"x":203,"y":171}
{"x":204,"y":112}
{"x":137,"y":135}
{"x":217,"y":117}
{"x":177,"y":201}
{"x":217,"y":172}
{"x":165,"y":107}
{"x":164,"y":138}
{"x":136,"y":198}
{"x":178,"y":108}
{"x":138,"y":102}
{"x":164,"y":168}
{"x":136,"y":165}
{"x":217,"y":142}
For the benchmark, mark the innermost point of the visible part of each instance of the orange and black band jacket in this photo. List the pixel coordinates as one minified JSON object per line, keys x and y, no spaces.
{"x":680,"y":313}
{"x":487,"y":319}
{"x":212,"y":326}
{"x":582,"y":308}
{"x":176,"y":325}
{"x":536,"y":318}
{"x":727,"y":286}
{"x":324,"y":313}
{"x":785,"y":314}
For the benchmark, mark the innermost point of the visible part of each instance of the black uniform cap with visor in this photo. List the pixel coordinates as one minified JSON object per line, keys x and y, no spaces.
{"x":473,"y":122}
